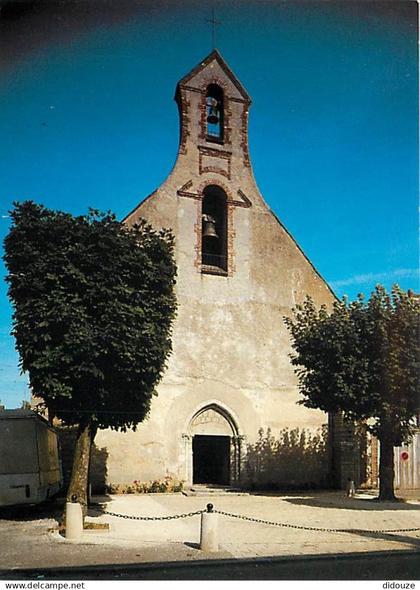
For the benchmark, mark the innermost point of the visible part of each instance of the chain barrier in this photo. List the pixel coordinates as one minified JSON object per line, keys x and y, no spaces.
{"x":129,"y":517}
{"x":256,"y":520}
{"x":313,"y":528}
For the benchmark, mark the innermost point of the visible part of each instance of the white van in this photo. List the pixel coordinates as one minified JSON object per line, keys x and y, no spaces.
{"x":30,"y":468}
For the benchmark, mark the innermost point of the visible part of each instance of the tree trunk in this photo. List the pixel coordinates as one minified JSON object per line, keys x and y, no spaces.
{"x":78,"y":488}
{"x":386,"y":470}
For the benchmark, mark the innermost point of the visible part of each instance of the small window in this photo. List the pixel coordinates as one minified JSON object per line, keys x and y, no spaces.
{"x":214,"y":229}
{"x":214,"y":111}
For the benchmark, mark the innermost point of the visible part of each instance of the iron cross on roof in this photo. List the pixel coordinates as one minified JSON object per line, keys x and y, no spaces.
{"x":214,"y":23}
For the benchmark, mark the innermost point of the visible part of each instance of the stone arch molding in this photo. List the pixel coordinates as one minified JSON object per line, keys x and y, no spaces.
{"x":213,"y":417}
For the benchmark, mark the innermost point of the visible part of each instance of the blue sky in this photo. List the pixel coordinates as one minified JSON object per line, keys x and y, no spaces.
{"x":87,"y":118}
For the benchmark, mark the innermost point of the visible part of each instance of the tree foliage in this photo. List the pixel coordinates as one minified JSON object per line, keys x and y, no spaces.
{"x":362,"y":359}
{"x":93,"y":307}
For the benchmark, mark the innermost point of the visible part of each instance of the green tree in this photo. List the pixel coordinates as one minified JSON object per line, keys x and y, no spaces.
{"x":362,"y":360}
{"x":93,"y":308}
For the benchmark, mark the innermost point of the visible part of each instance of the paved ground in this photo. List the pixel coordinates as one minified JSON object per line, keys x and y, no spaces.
{"x":382,"y":565}
{"x":130,"y":541}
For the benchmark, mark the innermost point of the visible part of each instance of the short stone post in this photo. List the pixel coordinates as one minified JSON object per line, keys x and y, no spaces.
{"x":209,"y":534}
{"x":74,"y":519}
{"x":350,"y":488}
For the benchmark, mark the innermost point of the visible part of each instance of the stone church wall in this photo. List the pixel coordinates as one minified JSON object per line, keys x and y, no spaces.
{"x":230,"y":345}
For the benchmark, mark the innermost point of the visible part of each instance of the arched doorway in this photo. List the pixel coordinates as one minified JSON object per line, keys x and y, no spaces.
{"x":211,"y":459}
{"x":214,"y":447}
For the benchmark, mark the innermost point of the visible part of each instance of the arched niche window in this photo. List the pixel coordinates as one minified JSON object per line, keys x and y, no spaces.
{"x":214,"y":229}
{"x":214,"y":113}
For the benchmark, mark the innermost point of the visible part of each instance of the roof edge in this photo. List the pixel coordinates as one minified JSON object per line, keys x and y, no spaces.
{"x":336,"y":298}
{"x":215,"y":54}
{"x":134,"y":209}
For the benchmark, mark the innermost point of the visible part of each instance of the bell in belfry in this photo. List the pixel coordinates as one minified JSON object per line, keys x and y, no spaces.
{"x":212,"y":111}
{"x":209,"y":226}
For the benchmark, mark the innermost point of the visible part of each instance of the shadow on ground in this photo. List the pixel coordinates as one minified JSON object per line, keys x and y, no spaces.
{"x":341,"y":501}
{"x":98,"y":505}
{"x":414,"y":542}
{"x":192,"y":545}
{"x":27,"y":512}
{"x":53,"y":509}
{"x":403,"y":565}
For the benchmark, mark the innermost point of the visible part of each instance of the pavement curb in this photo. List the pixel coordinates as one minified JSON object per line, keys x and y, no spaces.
{"x":197,"y":563}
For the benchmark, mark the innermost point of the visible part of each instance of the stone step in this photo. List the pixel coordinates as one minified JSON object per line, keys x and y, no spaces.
{"x":201,"y":490}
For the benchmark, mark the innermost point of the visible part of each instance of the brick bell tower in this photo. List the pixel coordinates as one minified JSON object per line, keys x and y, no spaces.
{"x":239,"y":273}
{"x":213,"y":166}
{"x":213,"y":107}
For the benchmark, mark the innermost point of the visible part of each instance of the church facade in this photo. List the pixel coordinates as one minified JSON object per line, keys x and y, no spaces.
{"x":240,"y":272}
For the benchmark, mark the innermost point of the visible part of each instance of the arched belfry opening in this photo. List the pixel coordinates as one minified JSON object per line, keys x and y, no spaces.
{"x":214,"y":447}
{"x":214,"y":228}
{"x":214,"y":113}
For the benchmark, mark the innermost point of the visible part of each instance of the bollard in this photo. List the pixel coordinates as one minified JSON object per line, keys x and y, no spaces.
{"x":350,"y":488}
{"x":209,"y":534}
{"x":74,"y":519}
